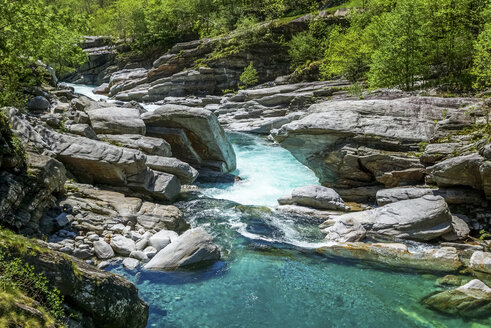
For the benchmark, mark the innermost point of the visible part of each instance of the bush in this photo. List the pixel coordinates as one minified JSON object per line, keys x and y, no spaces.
{"x":303,"y":49}
{"x":17,"y":276}
{"x":249,"y":76}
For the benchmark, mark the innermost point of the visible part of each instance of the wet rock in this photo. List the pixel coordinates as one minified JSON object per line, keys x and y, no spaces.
{"x":423,"y":218}
{"x":193,"y":247}
{"x":315,"y":196}
{"x":117,"y":120}
{"x":443,"y":259}
{"x":103,"y":250}
{"x":345,"y":230}
{"x":473,"y":300}
{"x":122,"y":245}
{"x":481,"y":261}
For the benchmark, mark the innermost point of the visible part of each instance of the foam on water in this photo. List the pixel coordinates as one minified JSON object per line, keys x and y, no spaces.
{"x":268,"y":172}
{"x":88,"y":91}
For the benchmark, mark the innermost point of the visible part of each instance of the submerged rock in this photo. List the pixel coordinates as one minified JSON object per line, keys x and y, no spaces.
{"x":422,"y":219}
{"x":471,"y":300}
{"x":345,"y":230}
{"x":444,"y":259}
{"x":193,"y":247}
{"x":315,"y":196}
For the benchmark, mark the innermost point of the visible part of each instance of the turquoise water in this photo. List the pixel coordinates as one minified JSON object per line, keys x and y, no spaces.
{"x":268,"y":172}
{"x":270,"y":275}
{"x":274,"y":284}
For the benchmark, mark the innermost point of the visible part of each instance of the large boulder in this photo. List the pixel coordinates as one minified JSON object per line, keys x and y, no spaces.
{"x":315,"y":196}
{"x":162,"y":238}
{"x":392,"y":195}
{"x":355,"y":143}
{"x":158,"y":217}
{"x":193,"y":247}
{"x":422,"y":219}
{"x":116,"y":120}
{"x":185,"y":172}
{"x":470,"y":170}
{"x":201,"y":128}
{"x":472,"y":300}
{"x":39,"y":103}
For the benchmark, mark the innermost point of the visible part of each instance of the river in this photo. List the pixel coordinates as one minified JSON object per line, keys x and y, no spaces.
{"x":270,"y":274}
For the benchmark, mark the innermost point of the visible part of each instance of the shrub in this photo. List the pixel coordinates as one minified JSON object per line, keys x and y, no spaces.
{"x":249,"y":77}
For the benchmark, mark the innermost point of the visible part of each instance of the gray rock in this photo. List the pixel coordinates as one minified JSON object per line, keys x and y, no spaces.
{"x":103,"y":250}
{"x":423,"y":218}
{"x":122,"y":245}
{"x":472,"y":300}
{"x":139,"y":255}
{"x":117,"y":120}
{"x":130,"y":263}
{"x":158,"y":217}
{"x":82,"y":253}
{"x":162,"y":238}
{"x":83,"y":130}
{"x":470,"y":170}
{"x":185,"y":172}
{"x":315,"y":196}
{"x":193,"y":247}
{"x":201,"y":127}
{"x":387,"y":196}
{"x":62,"y":220}
{"x":38,"y":103}
{"x":481,"y":261}
{"x":460,"y":230}
{"x":148,"y":145}
{"x":141,"y":244}
{"x":345,"y":230}
{"x":150,"y":251}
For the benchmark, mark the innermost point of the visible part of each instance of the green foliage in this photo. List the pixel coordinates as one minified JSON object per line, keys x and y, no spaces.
{"x":303,"y":48}
{"x":32,"y":30}
{"x":18,"y":276}
{"x":482,"y":59}
{"x":249,"y":77}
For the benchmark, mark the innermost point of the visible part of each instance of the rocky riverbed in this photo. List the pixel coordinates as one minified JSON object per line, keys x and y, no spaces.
{"x":385,"y":183}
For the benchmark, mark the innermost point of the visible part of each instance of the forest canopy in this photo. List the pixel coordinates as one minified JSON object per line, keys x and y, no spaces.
{"x":385,"y":43}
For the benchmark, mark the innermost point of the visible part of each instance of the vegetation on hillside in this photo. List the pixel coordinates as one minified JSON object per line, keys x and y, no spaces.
{"x":384,"y":43}
{"x":26,"y":297}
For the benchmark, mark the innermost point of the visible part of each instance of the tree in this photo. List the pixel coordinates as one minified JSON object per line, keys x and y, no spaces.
{"x":402,"y":50}
{"x":482,"y":59}
{"x":31,"y":30}
{"x":249,"y":76}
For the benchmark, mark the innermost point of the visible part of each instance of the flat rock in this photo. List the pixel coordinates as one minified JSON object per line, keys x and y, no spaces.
{"x":315,"y":196}
{"x":148,"y":145}
{"x":345,"y":230}
{"x":117,"y":120}
{"x":422,"y":219}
